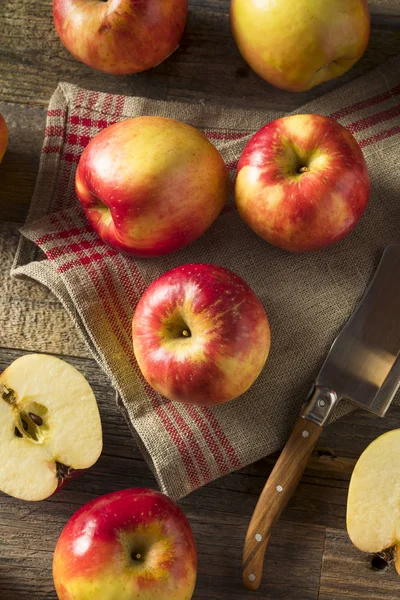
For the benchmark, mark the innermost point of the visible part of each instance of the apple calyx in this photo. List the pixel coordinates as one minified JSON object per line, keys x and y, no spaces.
{"x":383,"y":560}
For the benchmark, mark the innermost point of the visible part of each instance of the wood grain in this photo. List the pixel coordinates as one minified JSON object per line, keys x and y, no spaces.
{"x":346,"y":573}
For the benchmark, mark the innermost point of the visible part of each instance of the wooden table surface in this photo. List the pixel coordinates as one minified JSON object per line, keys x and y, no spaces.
{"x":310,"y":556}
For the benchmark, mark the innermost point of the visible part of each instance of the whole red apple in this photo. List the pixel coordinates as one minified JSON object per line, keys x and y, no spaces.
{"x":302,"y":183}
{"x":297,"y":44}
{"x":150,"y":185}
{"x":200,"y":335}
{"x":3,"y":137}
{"x":135,"y":544}
{"x":120,"y":36}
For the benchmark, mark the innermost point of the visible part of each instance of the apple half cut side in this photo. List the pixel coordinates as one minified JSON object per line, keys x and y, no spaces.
{"x":373,"y":503}
{"x":50,"y":426}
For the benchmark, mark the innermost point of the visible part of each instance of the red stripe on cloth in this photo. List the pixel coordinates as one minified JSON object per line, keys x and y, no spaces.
{"x":54,"y":131}
{"x":207,"y":433}
{"x":222,"y":438}
{"x":92,"y":101}
{"x":90,"y":123}
{"x":229,"y":135}
{"x":56,"y":112}
{"x":70,"y":157}
{"x":196,"y":450}
{"x":112,"y":304}
{"x":81,"y":261}
{"x":51,"y":149}
{"x":348,"y":110}
{"x":375,"y":119}
{"x":61,"y":235}
{"x":119,"y":105}
{"x":382,"y":135}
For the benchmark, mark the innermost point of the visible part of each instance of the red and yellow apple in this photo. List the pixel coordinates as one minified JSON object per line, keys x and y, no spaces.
{"x":120,"y":36}
{"x":297,"y":44}
{"x":302,"y":183}
{"x":200,"y":335}
{"x":50,"y":427}
{"x":3,"y":137}
{"x":151,"y":185}
{"x":373,"y":503}
{"x":135,"y":544}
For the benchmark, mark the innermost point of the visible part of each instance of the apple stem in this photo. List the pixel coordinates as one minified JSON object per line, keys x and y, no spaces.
{"x":304,"y":170}
{"x":185,"y":333}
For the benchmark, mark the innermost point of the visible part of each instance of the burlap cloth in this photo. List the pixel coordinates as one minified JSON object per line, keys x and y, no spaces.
{"x":307,"y":297}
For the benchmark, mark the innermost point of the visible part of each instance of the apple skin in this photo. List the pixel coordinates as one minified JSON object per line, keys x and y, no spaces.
{"x":297,"y":45}
{"x":228,"y":341}
{"x":93,"y":556}
{"x":163,"y":182}
{"x":3,"y":137}
{"x":302,"y":211}
{"x":120,"y":36}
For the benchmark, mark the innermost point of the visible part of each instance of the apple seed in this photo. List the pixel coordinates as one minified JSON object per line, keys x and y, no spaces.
{"x":17,"y":432}
{"x":36,"y":419}
{"x":24,"y":424}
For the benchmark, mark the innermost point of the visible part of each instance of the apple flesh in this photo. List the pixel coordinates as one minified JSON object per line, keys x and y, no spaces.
{"x":200,"y":335}
{"x":151,"y":185}
{"x":120,"y":36}
{"x":296,"y":45}
{"x":302,"y":183}
{"x":50,"y":426}
{"x":128,"y":545}
{"x":3,"y":137}
{"x":373,"y":504}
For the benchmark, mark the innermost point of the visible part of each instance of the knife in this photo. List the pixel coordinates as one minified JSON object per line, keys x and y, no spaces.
{"x":362,"y":366}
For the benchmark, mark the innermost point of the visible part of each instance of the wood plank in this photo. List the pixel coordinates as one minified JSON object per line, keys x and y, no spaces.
{"x":18,"y":170}
{"x":347,"y":574}
{"x":207,"y":67}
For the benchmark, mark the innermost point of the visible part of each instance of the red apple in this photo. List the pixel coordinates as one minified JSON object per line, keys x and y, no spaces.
{"x":302,"y":183}
{"x":200,"y":335}
{"x":150,"y":185}
{"x":120,"y":36}
{"x":3,"y":137}
{"x":135,"y":544}
{"x":297,"y":44}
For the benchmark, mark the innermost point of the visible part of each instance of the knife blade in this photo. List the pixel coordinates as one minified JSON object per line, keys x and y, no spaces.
{"x":363,"y":366}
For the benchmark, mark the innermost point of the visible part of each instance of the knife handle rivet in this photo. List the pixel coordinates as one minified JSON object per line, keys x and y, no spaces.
{"x":252,"y":577}
{"x":279,"y":488}
{"x":305,"y":434}
{"x":258,"y":537}
{"x":321,"y":402}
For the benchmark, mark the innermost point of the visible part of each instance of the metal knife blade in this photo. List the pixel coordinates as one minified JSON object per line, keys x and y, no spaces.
{"x":363,"y":364}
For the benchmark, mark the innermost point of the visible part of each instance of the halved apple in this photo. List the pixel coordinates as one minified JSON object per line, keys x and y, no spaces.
{"x":373,"y":504}
{"x":50,"y":426}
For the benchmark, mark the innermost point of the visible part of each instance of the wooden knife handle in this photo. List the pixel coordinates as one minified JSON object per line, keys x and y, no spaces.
{"x":276,"y":494}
